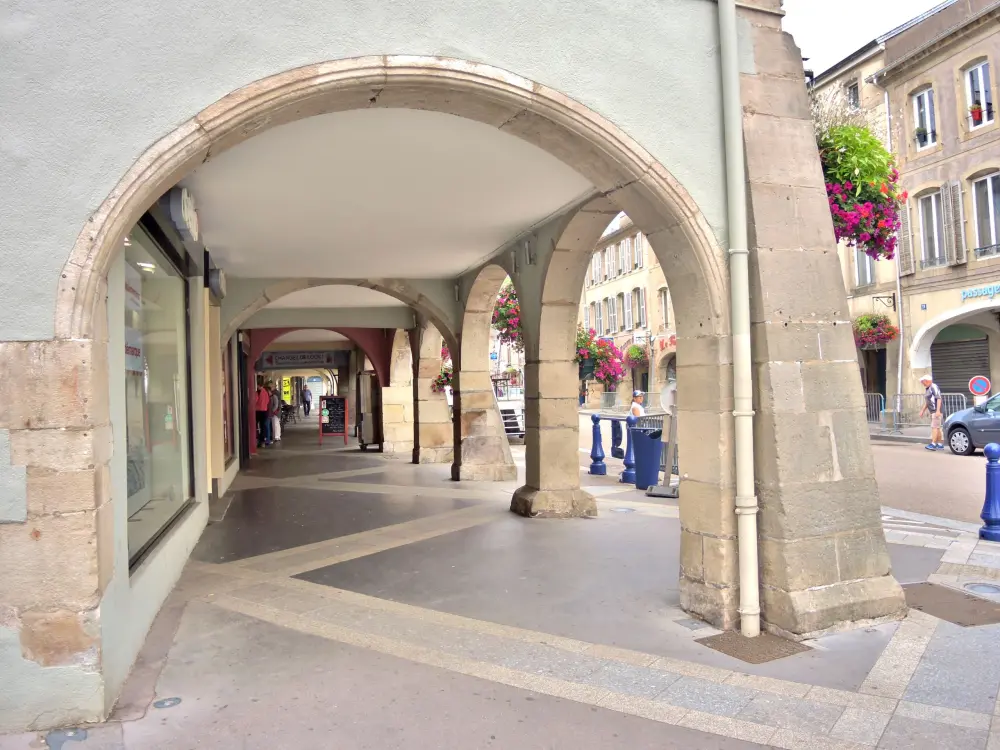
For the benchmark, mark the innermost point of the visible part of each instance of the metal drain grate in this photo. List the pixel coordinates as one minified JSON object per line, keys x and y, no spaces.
{"x":950,"y":604}
{"x":759,"y":650}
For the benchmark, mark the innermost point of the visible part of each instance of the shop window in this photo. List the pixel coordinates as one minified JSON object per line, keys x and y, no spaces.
{"x":924,"y":119}
{"x":986,"y":197}
{"x":979,"y":95}
{"x":931,"y":226}
{"x":156,"y":392}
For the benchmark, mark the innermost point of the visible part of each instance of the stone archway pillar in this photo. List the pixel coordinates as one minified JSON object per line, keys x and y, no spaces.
{"x":435,"y":436}
{"x":486,"y":452}
{"x":397,"y":401}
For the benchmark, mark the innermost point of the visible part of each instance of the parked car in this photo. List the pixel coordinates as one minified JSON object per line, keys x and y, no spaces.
{"x":972,"y":428}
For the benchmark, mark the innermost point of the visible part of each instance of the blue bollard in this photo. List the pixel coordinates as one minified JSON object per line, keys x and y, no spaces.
{"x":597,"y":465}
{"x":628,"y":476}
{"x":616,"y":439}
{"x":991,"y":507}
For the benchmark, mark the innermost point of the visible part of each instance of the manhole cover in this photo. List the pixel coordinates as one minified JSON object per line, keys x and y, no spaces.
{"x":166,"y":703}
{"x":623,"y":510}
{"x":950,"y":604}
{"x":987,"y":589}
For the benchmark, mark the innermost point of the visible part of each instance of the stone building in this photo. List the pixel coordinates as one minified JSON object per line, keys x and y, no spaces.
{"x":933,"y":83}
{"x":172,"y":210}
{"x":626,"y":299}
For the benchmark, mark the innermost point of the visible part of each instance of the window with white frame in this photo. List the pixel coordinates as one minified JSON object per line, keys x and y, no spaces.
{"x":979,"y":95}
{"x":620,"y":307}
{"x":612,"y":314}
{"x":628,"y":312}
{"x":586,"y":317}
{"x":924,"y":120}
{"x":595,"y":268}
{"x":599,"y":319}
{"x":609,"y":264}
{"x":931,"y":231}
{"x":854,"y":95}
{"x":664,"y":308}
{"x":864,"y":268}
{"x":593,"y":316}
{"x":626,"y":246}
{"x":986,"y":197}
{"x":637,"y":249}
{"x":640,"y":297}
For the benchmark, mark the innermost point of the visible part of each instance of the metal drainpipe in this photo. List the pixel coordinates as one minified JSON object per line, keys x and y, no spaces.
{"x":739,"y":283}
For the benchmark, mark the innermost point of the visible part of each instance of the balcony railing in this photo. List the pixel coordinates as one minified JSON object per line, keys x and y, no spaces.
{"x":988,"y":251}
{"x":933,"y":262}
{"x":926,"y":139}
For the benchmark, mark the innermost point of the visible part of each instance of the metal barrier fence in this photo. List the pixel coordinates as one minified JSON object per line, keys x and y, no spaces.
{"x":874,"y":406}
{"x":902,"y":411}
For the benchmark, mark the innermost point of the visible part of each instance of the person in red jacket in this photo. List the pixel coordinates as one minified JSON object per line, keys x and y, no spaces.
{"x":262,"y":405}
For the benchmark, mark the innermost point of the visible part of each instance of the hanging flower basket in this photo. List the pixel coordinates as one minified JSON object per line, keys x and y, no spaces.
{"x":873,"y":331}
{"x":635,"y":357}
{"x":599,"y":359}
{"x":507,"y":317}
{"x":443,"y":380}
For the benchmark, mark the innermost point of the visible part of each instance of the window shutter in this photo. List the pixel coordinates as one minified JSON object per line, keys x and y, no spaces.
{"x":642,"y":308}
{"x":628,"y":311}
{"x":958,"y":215}
{"x":948,"y":230}
{"x":904,"y":252}
{"x":586,"y":318}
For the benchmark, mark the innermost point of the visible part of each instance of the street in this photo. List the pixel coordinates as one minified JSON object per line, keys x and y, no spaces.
{"x":933,"y":483}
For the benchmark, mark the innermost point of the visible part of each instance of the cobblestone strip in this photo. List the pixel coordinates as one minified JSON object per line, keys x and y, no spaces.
{"x":895,"y":667}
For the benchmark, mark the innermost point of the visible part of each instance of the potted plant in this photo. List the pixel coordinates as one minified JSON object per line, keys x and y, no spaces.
{"x":507,"y":317}
{"x":976,"y":110}
{"x":443,"y":380}
{"x":635,"y":356}
{"x":586,"y":352}
{"x":873,"y":331}
{"x":921,"y":134}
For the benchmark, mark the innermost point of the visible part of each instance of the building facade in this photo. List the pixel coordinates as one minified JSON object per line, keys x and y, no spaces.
{"x":626,"y":299}
{"x":933,"y":81}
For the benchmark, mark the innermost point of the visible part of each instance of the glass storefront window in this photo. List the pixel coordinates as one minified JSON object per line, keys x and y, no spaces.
{"x":156,"y":391}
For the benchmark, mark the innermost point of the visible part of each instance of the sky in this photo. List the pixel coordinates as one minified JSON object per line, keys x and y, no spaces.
{"x":827,"y":31}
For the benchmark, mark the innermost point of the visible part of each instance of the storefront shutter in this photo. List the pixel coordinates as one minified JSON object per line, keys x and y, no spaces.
{"x":958,"y":217}
{"x":904,"y":251}
{"x":955,"y":363}
{"x":948,"y":231}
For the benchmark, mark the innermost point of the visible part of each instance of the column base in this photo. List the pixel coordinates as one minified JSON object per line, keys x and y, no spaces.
{"x":534,"y":503}
{"x":435,"y":455}
{"x":715,"y":604}
{"x":487,"y":458}
{"x":810,"y":613}
{"x":486,"y":473}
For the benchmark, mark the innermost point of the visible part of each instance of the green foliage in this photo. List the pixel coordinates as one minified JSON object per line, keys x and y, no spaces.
{"x":851,"y":153}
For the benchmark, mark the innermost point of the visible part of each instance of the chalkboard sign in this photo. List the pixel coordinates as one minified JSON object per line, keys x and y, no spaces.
{"x":332,"y":416}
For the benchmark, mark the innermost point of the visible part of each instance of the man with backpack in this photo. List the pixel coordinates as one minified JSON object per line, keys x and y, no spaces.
{"x":932,"y":406}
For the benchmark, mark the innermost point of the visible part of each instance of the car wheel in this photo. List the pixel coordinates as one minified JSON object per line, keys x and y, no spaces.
{"x":960,"y":442}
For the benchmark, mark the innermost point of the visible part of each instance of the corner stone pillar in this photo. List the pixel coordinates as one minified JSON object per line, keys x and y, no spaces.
{"x":435,"y":434}
{"x":552,"y":426}
{"x":486,"y":452}
{"x":397,"y":401}
{"x":823,"y":557}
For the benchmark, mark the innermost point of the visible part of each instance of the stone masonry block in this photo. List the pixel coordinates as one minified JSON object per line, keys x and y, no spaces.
{"x":61,"y":450}
{"x":775,"y":96}
{"x":13,"y":491}
{"x":713,"y":432}
{"x":553,"y":459}
{"x":808,"y":613}
{"x":794,"y":286}
{"x":776,"y":54}
{"x":50,"y":563}
{"x":780,"y":386}
{"x":393,"y":414}
{"x":436,"y":435}
{"x":51,"y":491}
{"x":795,"y":140}
{"x":705,"y":387}
{"x":74,"y":395}
{"x":707,"y":509}
{"x":474,"y":380}
{"x":802,"y":342}
{"x":833,"y":386}
{"x":531,"y":502}
{"x":721,"y":561}
{"x":798,"y":564}
{"x":555,"y":380}
{"x":558,"y":337}
{"x":704,"y":350}
{"x":862,"y":553}
{"x":716,"y":606}
{"x":553,"y":412}
{"x":792,"y":217}
{"x":802,"y":510}
{"x":60,"y":638}
{"x":692,"y":556}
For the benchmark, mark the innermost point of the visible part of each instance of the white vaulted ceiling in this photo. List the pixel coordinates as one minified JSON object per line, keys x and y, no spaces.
{"x":375,"y":193}
{"x":336,"y":296}
{"x":309,"y":335}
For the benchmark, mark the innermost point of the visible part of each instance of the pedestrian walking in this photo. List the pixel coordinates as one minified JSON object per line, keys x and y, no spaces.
{"x":275,"y":413}
{"x":932,"y":406}
{"x":261,"y":405}
{"x":307,"y":399}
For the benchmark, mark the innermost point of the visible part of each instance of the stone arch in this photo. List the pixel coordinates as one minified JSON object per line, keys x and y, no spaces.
{"x":398,"y":290}
{"x":484,"y":449}
{"x":398,"y":420}
{"x":434,"y":434}
{"x":571,"y":132}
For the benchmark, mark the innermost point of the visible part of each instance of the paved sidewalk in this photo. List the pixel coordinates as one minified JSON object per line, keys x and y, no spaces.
{"x":350,"y":601}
